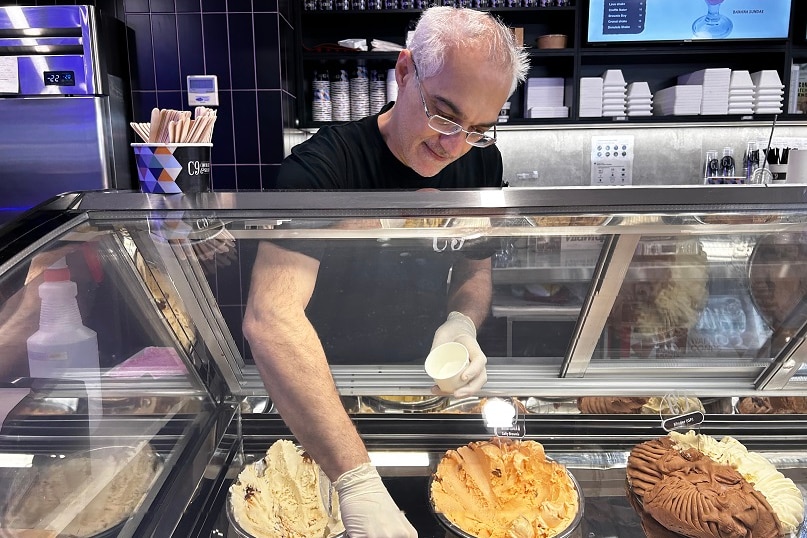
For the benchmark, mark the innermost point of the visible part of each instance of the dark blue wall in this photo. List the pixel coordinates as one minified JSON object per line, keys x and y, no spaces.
{"x":246,"y":43}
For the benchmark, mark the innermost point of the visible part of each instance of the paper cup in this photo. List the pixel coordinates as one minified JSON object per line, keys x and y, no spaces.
{"x":445,"y":365}
{"x":173,"y":168}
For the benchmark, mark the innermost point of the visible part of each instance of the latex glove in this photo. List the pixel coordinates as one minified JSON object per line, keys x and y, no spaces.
{"x":460,"y":328}
{"x":366,"y":507}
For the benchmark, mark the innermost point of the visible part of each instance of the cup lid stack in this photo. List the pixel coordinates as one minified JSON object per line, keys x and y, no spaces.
{"x":680,"y":100}
{"x":716,"y":83}
{"x":640,"y":100}
{"x":614,"y":93}
{"x":769,"y":92}
{"x":591,"y":97}
{"x":741,"y":93}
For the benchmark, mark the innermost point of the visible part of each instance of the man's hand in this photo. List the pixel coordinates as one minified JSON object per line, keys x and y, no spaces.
{"x":460,"y":328}
{"x":366,"y":507}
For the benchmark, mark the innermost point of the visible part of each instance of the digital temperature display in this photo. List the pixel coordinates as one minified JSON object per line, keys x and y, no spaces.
{"x":60,"y":78}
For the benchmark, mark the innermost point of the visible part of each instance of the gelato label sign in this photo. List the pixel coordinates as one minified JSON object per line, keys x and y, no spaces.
{"x":683,"y":421}
{"x":516,"y":431}
{"x":504,"y":417}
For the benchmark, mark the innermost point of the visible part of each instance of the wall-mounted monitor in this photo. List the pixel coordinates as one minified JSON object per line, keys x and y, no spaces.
{"x":621,"y":21}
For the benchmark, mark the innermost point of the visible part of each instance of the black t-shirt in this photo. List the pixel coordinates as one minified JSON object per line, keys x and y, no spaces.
{"x":379,"y":301}
{"x":355,"y":156}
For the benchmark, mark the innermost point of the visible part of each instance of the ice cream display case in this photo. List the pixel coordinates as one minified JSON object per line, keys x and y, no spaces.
{"x":131,"y":401}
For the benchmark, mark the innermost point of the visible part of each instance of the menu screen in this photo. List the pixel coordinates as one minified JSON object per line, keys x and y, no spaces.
{"x":617,"y":21}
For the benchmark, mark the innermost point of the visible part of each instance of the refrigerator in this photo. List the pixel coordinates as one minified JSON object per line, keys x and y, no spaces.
{"x":64,"y":104}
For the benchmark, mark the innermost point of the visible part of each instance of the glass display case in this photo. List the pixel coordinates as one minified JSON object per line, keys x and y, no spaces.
{"x":614,"y":315}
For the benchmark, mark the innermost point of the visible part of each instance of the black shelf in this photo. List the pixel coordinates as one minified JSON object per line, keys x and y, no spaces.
{"x":393,"y":12}
{"x":350,"y":56}
{"x":657,"y":63}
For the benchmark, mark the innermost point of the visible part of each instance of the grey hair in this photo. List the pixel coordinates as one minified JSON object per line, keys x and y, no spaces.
{"x":442,"y":28}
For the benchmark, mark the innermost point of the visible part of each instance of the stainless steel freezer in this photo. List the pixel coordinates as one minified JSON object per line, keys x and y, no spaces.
{"x":64,"y":104}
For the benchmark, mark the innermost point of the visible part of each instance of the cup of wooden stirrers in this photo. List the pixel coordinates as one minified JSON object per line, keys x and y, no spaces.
{"x":174,"y":156}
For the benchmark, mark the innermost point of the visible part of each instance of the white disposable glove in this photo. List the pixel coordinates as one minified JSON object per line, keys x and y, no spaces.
{"x":366,"y":507}
{"x":460,"y":328}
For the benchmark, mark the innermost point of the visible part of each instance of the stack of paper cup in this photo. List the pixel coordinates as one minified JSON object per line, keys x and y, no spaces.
{"x":378,"y":91}
{"x":340,"y":95}
{"x":392,"y":86}
{"x":321,"y":104}
{"x":359,"y":93}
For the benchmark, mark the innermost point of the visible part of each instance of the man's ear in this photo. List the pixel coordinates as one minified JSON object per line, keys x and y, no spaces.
{"x":404,"y":68}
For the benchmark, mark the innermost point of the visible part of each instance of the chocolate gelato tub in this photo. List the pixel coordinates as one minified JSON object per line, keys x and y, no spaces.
{"x":694,"y":485}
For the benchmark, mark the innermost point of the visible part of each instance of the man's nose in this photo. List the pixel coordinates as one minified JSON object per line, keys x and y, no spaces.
{"x":454,"y":145}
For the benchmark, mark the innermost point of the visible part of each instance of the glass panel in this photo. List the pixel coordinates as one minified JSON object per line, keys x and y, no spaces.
{"x":541,"y":278}
{"x":96,"y":387}
{"x":383,"y":285}
{"x":723,"y":297}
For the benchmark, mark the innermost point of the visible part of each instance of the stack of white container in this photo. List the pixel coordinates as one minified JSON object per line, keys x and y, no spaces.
{"x":640,"y":100}
{"x":543,"y":98}
{"x":614,"y":93}
{"x":769,"y":94}
{"x":741,"y":93}
{"x":591,"y":97}
{"x":680,"y":100}
{"x":715,"y":92}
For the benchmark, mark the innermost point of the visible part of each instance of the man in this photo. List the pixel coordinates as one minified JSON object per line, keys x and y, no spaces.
{"x":460,"y":68}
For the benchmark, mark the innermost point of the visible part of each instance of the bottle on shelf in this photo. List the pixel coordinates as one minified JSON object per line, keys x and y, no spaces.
{"x":711,"y":169}
{"x":751,"y":160}
{"x":727,"y":166}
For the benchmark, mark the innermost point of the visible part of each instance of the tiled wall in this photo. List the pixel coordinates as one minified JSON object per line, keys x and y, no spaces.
{"x":246,"y":43}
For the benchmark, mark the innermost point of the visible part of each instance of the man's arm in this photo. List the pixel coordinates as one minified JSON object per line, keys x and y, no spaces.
{"x":468,"y":303}
{"x":471,"y":289}
{"x":292,"y":362}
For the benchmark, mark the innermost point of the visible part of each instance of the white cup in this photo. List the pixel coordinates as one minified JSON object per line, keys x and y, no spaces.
{"x":445,"y":365}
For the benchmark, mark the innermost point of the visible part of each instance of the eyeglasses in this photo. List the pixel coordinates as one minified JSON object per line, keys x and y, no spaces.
{"x":449,"y":128}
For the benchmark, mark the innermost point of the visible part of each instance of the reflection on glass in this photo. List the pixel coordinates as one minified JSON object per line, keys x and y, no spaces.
{"x":713,"y":25}
{"x":777,"y":277}
{"x":663,"y":296}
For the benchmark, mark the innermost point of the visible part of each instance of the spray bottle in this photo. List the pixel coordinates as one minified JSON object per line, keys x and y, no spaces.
{"x":63,"y":345}
{"x":62,"y":342}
